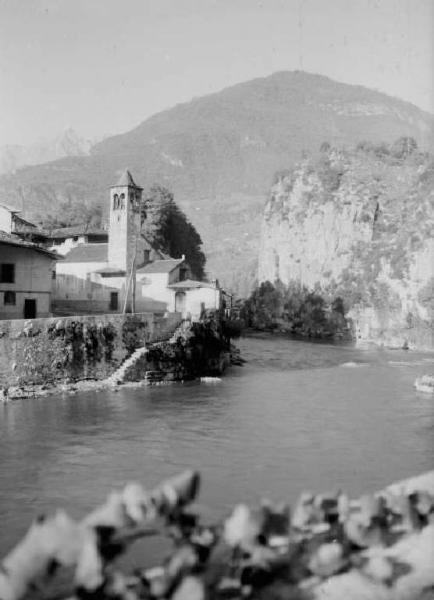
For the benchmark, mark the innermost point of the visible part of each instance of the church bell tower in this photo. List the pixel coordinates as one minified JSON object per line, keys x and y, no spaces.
{"x":124,"y":224}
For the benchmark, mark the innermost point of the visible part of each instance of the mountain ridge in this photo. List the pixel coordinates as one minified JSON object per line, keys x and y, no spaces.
{"x":65,"y":144}
{"x":218,"y":153}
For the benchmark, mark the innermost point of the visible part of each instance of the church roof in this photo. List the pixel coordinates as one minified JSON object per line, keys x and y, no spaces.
{"x":87,"y":253}
{"x":161,"y":266}
{"x":126,"y":179}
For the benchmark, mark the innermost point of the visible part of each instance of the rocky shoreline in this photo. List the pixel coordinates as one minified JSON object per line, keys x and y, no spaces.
{"x":70,"y":387}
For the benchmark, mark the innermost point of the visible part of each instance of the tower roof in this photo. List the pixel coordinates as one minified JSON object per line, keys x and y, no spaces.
{"x":126,"y":179}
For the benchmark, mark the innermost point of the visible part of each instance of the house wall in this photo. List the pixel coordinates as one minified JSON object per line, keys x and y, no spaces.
{"x":79,"y":289}
{"x":5,"y":220}
{"x":209,"y":297}
{"x":81,"y":270}
{"x":33,"y":280}
{"x":154,"y":285}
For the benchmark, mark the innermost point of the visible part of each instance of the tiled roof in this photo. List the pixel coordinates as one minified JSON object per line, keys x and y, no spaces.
{"x":87,"y":253}
{"x":161,"y":266}
{"x":66,"y":232}
{"x":14,"y":240}
{"x":126,"y":179}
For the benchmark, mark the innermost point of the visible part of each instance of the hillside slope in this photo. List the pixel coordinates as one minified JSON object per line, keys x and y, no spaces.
{"x":218,"y":154}
{"x":359,"y":224}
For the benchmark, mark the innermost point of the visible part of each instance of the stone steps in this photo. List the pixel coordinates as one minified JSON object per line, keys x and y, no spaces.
{"x":117,"y":377}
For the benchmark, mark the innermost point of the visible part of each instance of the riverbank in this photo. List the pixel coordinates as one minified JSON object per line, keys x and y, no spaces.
{"x":195,"y":351}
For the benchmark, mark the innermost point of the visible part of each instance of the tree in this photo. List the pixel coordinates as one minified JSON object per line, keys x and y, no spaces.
{"x":167,"y":227}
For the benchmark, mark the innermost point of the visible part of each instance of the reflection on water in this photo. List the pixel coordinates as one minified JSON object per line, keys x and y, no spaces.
{"x":297,"y":415}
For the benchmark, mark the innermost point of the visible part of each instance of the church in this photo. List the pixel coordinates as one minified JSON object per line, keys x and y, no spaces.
{"x":125,"y":273}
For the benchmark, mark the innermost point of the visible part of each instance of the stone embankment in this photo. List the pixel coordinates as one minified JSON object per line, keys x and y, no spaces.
{"x":180,"y":352}
{"x":378,"y":547}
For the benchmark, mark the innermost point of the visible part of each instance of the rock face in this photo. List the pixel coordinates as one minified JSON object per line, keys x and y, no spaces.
{"x":359,"y":224}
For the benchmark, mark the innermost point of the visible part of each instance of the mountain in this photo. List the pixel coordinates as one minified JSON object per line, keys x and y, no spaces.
{"x":218,"y":154}
{"x":68,"y":143}
{"x":358,"y":223}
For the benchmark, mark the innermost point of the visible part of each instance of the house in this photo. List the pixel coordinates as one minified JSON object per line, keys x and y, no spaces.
{"x":26,"y":277}
{"x":194,"y":297}
{"x":11,"y":222}
{"x":62,"y":240}
{"x":170,"y":281}
{"x":154,"y":280}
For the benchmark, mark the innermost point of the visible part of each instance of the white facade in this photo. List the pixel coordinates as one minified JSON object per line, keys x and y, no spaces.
{"x":193,"y":301}
{"x":5,"y":219}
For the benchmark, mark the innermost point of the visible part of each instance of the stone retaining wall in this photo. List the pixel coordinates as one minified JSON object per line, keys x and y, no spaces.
{"x":195,"y":351}
{"x":80,"y":347}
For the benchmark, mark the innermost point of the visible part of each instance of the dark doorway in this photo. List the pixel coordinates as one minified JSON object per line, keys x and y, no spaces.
{"x":113,"y":300}
{"x":29,"y":308}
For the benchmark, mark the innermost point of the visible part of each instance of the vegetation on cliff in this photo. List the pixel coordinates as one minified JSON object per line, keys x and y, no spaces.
{"x":357,"y":224}
{"x":295,"y":309}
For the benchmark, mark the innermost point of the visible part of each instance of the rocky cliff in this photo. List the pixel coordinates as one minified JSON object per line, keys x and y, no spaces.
{"x":359,"y":223}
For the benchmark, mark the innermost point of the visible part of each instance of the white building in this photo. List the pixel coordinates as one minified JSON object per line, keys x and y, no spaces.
{"x":104,"y":277}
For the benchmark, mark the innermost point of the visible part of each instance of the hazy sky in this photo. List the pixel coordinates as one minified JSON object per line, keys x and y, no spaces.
{"x":103,"y":66}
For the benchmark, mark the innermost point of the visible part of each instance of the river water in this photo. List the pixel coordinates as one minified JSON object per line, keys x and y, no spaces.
{"x":296,"y":416}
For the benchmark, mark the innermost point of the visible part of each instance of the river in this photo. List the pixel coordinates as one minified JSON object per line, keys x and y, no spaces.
{"x":296,"y":416}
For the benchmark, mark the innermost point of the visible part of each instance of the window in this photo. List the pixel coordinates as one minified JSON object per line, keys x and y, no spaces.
{"x":7,"y":273}
{"x":182,"y":274}
{"x":9,"y":298}
{"x":53,"y":274}
{"x":113,"y":300}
